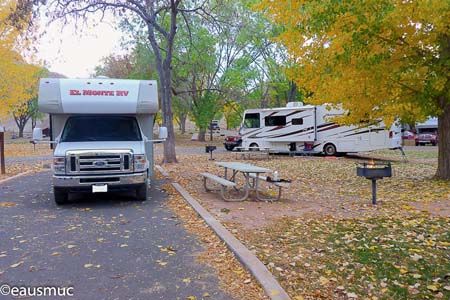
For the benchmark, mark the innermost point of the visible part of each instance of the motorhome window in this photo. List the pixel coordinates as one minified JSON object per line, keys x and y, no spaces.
{"x":251,"y":121}
{"x":101,"y":128}
{"x":297,"y":121}
{"x":275,"y":121}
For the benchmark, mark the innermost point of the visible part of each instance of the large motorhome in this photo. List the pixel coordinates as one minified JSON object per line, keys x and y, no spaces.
{"x":102,"y":131}
{"x":299,"y":128}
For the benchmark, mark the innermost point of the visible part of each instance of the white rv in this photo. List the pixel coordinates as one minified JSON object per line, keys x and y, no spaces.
{"x":299,"y":128}
{"x":102,"y":131}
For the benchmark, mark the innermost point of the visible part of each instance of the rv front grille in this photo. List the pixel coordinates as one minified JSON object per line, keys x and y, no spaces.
{"x":99,"y":162}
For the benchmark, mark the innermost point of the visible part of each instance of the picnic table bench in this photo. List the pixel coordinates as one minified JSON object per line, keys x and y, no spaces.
{"x":224,"y":184}
{"x":279,"y":184}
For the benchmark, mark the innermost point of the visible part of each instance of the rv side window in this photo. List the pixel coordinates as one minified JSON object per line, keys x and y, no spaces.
{"x":251,"y":121}
{"x":275,"y":121}
{"x":297,"y":121}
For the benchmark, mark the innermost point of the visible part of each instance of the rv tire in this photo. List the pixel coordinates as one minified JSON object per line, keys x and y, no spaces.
{"x":329,"y":150}
{"x":254,"y":147}
{"x":61,"y":196}
{"x":142,"y":192}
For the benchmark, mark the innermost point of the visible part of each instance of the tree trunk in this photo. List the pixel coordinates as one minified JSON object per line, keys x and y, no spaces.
{"x":443,"y":170}
{"x":169,"y":145}
{"x":21,"y":122}
{"x":183,"y":118}
{"x":21,"y":128}
{"x":292,"y":92}
{"x":165,"y":81}
{"x":202,"y":135}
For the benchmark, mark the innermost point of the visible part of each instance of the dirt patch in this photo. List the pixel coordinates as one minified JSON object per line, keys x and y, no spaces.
{"x":320,"y":186}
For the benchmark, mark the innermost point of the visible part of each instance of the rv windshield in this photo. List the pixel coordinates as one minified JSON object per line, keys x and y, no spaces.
{"x":251,"y":121}
{"x":101,"y":128}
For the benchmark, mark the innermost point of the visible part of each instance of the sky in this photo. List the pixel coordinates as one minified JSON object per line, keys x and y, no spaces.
{"x":75,"y":54}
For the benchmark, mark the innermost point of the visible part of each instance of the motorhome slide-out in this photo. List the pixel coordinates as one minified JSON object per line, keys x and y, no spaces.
{"x":299,"y":128}
{"x":102,"y":131}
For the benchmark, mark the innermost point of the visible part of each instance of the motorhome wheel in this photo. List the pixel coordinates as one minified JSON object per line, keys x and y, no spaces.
{"x":254,"y":147}
{"x":329,"y":150}
{"x":142,"y":192}
{"x":61,"y":196}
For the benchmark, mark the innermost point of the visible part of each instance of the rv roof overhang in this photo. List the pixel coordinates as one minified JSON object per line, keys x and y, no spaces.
{"x":97,"y":96}
{"x":257,"y":110}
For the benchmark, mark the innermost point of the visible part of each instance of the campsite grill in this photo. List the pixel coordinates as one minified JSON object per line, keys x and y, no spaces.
{"x":210,"y":149}
{"x":374,"y":171}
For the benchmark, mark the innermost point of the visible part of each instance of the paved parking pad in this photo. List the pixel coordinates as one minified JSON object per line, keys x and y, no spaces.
{"x":106,"y":246}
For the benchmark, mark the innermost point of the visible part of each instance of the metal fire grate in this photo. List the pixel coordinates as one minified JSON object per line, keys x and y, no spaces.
{"x":374,"y":171}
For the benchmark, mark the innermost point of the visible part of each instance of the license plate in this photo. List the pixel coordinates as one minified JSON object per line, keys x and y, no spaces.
{"x":103,"y":188}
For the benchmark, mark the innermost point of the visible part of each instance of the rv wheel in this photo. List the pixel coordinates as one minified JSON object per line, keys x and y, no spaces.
{"x":61,"y":196}
{"x":142,"y":191}
{"x":253,"y":147}
{"x":329,"y":150}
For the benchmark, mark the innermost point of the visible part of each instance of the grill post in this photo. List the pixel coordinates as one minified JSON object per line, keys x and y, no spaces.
{"x":374,"y":191}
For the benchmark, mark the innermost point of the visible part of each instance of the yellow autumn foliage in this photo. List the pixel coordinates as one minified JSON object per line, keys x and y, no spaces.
{"x":378,"y":58}
{"x":19,"y":78}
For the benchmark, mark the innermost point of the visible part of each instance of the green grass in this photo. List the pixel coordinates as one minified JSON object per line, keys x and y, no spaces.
{"x":402,"y":258}
{"x":373,"y":258}
{"x":425,"y":152}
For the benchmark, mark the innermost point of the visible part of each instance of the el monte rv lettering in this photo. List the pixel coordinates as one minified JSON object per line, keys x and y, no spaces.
{"x":118,"y":93}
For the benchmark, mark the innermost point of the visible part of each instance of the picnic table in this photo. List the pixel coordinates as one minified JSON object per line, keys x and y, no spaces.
{"x":252,"y":177}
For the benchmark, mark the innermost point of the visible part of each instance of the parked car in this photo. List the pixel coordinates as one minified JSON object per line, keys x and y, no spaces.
{"x":232,"y":141}
{"x":426,"y":138}
{"x":214,"y":125}
{"x":408,"y":135}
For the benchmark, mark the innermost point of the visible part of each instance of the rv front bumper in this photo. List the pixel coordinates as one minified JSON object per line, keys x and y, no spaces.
{"x":118,"y":180}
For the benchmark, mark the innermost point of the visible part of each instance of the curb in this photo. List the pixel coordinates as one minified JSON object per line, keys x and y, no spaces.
{"x":15,"y":176}
{"x":162,"y":171}
{"x":247,"y":258}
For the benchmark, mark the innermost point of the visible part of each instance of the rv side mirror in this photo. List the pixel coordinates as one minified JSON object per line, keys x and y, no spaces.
{"x":162,"y":133}
{"x":37,"y":134}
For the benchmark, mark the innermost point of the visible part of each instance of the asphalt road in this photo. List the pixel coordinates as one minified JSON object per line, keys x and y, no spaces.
{"x":106,"y":246}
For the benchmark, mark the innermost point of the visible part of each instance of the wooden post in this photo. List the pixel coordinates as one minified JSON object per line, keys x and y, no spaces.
{"x":2,"y":151}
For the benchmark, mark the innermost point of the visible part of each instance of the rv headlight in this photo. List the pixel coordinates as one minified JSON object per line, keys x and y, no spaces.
{"x":140,"y":163}
{"x":59,"y":165}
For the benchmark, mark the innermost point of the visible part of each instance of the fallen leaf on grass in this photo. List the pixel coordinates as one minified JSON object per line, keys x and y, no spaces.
{"x":17,"y":264}
{"x":432,"y":287}
{"x":186,"y":280}
{"x":323,"y":280}
{"x":161,"y":263}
